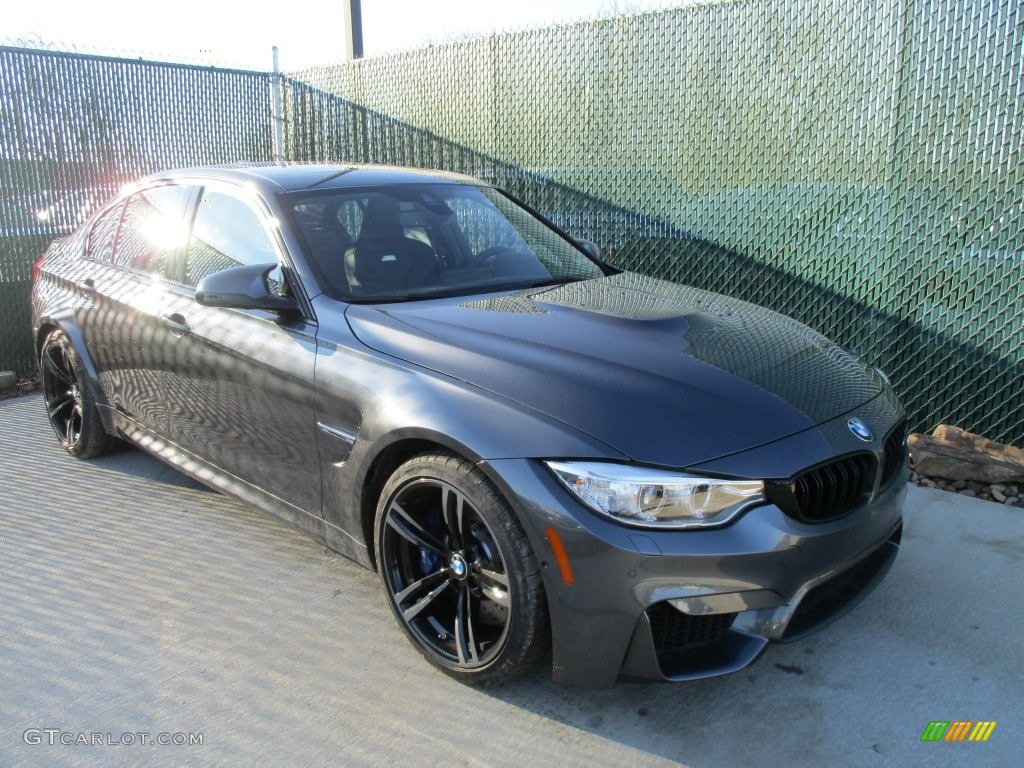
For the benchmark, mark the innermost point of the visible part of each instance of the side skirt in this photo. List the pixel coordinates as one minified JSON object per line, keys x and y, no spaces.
{"x":199,"y":469}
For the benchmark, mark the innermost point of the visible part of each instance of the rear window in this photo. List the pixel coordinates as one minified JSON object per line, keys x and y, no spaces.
{"x":101,"y":238}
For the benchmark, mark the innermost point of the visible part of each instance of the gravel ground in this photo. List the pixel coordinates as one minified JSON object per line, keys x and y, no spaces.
{"x":27,"y":384}
{"x":1001,"y":493}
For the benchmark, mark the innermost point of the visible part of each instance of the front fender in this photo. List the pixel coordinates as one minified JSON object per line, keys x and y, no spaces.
{"x":379,"y":402}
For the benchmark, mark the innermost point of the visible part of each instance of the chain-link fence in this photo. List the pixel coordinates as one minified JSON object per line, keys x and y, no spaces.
{"x":74,"y":128}
{"x":858,"y":166}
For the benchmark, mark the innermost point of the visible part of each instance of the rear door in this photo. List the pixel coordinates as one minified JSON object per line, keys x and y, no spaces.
{"x":129,"y":251}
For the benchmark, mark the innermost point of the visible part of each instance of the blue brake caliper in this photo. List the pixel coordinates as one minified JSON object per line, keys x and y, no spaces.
{"x":429,"y":561}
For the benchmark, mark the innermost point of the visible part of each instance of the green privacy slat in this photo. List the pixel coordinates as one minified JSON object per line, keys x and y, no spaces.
{"x":858,"y":165}
{"x":74,"y":128}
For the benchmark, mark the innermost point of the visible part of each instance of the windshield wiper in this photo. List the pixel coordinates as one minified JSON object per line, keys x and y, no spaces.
{"x":551,"y":282}
{"x":426,"y":293}
{"x":460,"y":290}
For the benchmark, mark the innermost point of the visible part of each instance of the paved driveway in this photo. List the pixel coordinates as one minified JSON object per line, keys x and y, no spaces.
{"x":135,"y":603}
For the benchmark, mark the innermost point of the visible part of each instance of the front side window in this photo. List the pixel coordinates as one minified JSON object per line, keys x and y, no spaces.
{"x":153,"y":230}
{"x":226,"y":233}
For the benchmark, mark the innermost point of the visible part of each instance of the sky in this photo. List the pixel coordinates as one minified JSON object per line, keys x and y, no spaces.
{"x":308,"y":33}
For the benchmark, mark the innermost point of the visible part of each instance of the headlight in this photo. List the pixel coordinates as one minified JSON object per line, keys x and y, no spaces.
{"x":654,"y":498}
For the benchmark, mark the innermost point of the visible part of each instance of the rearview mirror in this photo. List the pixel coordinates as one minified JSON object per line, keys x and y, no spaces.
{"x":589,"y":247}
{"x":242,"y":287}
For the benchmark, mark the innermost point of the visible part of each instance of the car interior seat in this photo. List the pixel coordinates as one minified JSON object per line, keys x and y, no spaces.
{"x":329,"y":242}
{"x":383,"y":259}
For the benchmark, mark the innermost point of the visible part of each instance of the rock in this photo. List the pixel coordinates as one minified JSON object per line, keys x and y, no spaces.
{"x":968,"y":492}
{"x":959,"y":485}
{"x":7,"y":379}
{"x":998,"y":487}
{"x":998,"y":495}
{"x":953,"y":454}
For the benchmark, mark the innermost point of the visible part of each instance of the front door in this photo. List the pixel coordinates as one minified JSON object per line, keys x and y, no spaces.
{"x":239,"y":383}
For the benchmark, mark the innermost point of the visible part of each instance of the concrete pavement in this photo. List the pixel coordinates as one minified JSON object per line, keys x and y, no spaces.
{"x":134,"y":602}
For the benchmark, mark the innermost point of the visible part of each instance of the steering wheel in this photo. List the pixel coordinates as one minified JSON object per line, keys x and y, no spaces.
{"x":486,"y":257}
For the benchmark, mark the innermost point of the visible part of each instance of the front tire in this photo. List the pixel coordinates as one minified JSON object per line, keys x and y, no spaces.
{"x":459,"y":573}
{"x":70,"y":406}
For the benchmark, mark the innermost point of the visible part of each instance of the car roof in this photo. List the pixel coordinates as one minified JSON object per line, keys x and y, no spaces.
{"x":276,"y":178}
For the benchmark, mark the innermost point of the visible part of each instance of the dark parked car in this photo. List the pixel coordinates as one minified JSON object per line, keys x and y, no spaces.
{"x":540,"y":454}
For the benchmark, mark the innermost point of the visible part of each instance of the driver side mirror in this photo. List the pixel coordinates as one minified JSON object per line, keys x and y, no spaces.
{"x":244,"y":287}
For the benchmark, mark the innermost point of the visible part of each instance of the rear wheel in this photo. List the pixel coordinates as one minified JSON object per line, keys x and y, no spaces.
{"x":69,"y":404}
{"x":459,"y":572}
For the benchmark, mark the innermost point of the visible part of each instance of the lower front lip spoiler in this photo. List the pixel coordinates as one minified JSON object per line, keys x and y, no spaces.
{"x":670,"y":644}
{"x":734,"y":651}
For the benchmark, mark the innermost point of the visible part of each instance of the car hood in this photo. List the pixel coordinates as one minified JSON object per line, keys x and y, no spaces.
{"x":663,"y":373}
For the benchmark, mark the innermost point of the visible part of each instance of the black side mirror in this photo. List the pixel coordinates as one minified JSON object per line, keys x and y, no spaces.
{"x":242,"y":287}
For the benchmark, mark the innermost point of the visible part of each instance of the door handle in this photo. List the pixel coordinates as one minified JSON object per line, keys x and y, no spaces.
{"x":176,"y":323}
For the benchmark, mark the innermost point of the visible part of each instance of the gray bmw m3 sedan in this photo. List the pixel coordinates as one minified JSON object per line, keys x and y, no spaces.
{"x":548,"y":460}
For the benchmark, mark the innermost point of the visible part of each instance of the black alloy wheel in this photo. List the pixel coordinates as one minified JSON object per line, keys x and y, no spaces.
{"x":69,"y":404}
{"x":459,"y":571}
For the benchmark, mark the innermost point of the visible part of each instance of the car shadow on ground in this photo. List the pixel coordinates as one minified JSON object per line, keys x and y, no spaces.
{"x":129,"y":460}
{"x":858,"y":692}
{"x":681,"y":722}
{"x":124,"y":458}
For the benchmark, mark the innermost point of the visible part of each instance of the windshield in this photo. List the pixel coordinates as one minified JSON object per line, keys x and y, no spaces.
{"x":426,"y":240}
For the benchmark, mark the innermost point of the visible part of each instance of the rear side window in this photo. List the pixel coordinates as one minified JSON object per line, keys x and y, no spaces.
{"x":101,"y":238}
{"x":226,"y":233}
{"x":154,"y":230}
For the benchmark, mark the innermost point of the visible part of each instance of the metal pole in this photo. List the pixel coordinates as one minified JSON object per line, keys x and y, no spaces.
{"x":353,"y":42}
{"x":357,"y":28}
{"x":277,"y":110}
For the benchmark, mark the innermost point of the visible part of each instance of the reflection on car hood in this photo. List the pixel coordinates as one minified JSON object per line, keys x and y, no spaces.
{"x":664,"y":373}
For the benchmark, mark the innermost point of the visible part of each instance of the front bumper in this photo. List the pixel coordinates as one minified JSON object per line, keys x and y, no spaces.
{"x":677,"y":605}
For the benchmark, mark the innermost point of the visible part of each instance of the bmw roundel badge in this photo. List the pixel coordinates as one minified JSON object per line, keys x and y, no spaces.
{"x":860,"y":430}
